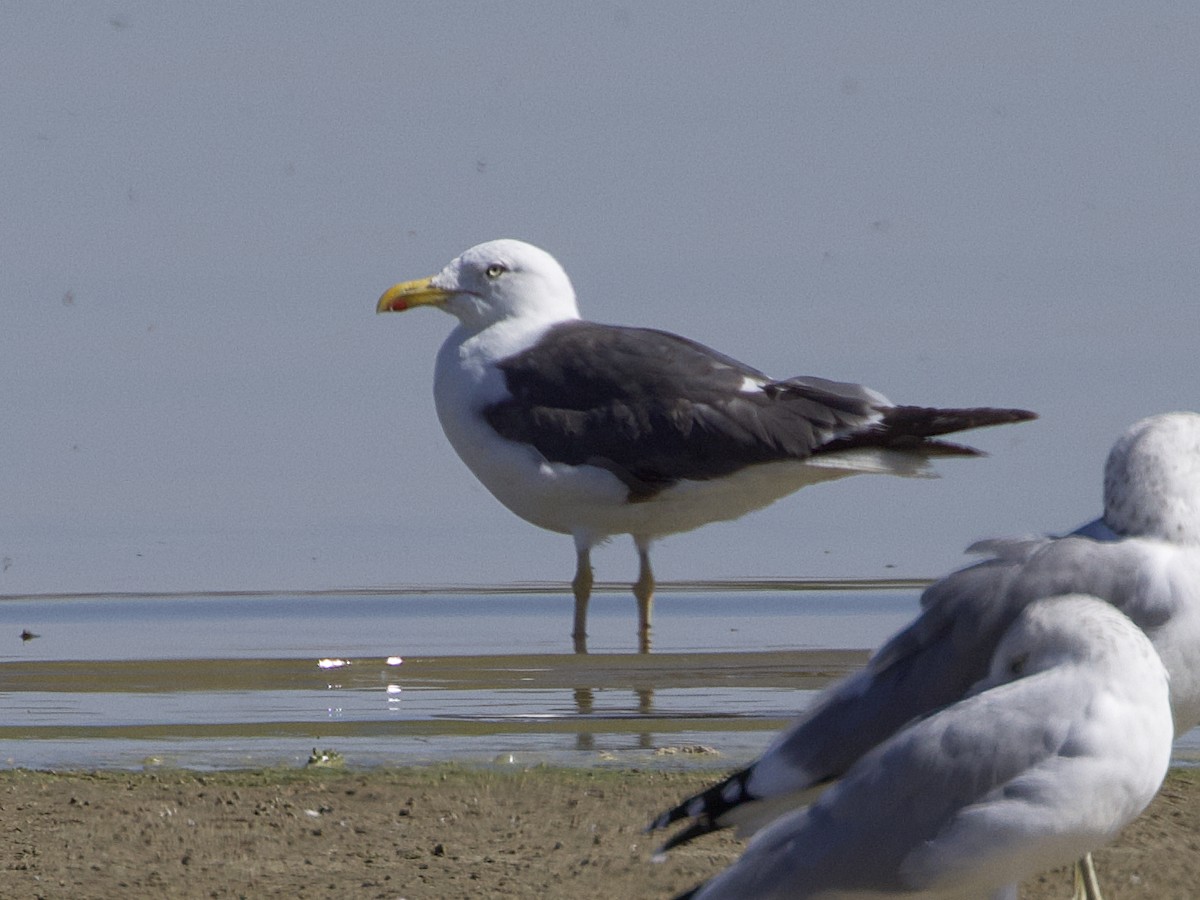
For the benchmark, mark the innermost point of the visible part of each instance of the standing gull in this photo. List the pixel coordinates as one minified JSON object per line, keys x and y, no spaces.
{"x":598,"y":430}
{"x":1142,"y":556}
{"x":1063,"y":743}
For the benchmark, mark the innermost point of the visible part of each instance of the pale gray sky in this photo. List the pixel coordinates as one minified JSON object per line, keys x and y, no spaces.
{"x":957,"y":204}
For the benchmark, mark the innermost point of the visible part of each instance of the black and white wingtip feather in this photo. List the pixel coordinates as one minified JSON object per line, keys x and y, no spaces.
{"x":704,"y":810}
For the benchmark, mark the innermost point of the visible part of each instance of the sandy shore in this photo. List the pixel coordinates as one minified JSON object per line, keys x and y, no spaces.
{"x":439,"y":832}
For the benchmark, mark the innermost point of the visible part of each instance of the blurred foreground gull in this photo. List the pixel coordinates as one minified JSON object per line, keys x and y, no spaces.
{"x":1062,"y":744}
{"x":597,"y":430}
{"x":1143,"y":557}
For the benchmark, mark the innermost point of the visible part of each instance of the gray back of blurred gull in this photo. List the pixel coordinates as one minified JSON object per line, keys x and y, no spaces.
{"x":1143,"y":557}
{"x":1063,"y":743}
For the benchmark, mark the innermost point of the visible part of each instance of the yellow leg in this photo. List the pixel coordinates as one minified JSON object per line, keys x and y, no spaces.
{"x":582,"y":588}
{"x":1087,"y":885}
{"x":643,"y":590}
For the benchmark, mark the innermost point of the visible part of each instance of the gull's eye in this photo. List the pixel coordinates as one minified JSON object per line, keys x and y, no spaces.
{"x":495,"y":270}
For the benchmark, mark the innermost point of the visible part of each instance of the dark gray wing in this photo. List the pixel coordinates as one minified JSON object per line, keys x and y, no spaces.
{"x":654,"y":408}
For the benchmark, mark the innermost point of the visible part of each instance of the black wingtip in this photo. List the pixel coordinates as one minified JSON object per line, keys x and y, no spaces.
{"x":688,"y":895}
{"x":927,"y":422}
{"x":705,"y":810}
{"x":1009,"y":416}
{"x":699,"y":828}
{"x":670,"y":817}
{"x":914,"y":429}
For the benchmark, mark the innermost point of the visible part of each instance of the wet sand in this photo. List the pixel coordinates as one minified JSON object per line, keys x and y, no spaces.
{"x":432,"y":832}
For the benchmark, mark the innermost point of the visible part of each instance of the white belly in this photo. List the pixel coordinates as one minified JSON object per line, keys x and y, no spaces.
{"x":592,"y":503}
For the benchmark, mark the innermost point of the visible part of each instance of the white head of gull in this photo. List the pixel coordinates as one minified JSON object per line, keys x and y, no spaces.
{"x":500,"y":281}
{"x":598,"y":430}
{"x":1152,"y":480}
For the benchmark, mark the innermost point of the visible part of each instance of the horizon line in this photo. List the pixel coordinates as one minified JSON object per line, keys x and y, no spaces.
{"x":529,"y":587}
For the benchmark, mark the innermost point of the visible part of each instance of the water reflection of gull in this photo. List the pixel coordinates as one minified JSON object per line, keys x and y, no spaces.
{"x":596,"y":430}
{"x":1143,"y":557}
{"x":1064,"y":742}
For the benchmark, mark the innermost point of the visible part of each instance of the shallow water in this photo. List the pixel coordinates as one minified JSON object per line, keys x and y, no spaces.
{"x":230,"y":681}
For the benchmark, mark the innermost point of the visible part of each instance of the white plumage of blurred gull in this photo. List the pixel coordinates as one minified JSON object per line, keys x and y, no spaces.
{"x":1142,"y":556}
{"x":597,"y":430}
{"x":1064,"y":742}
